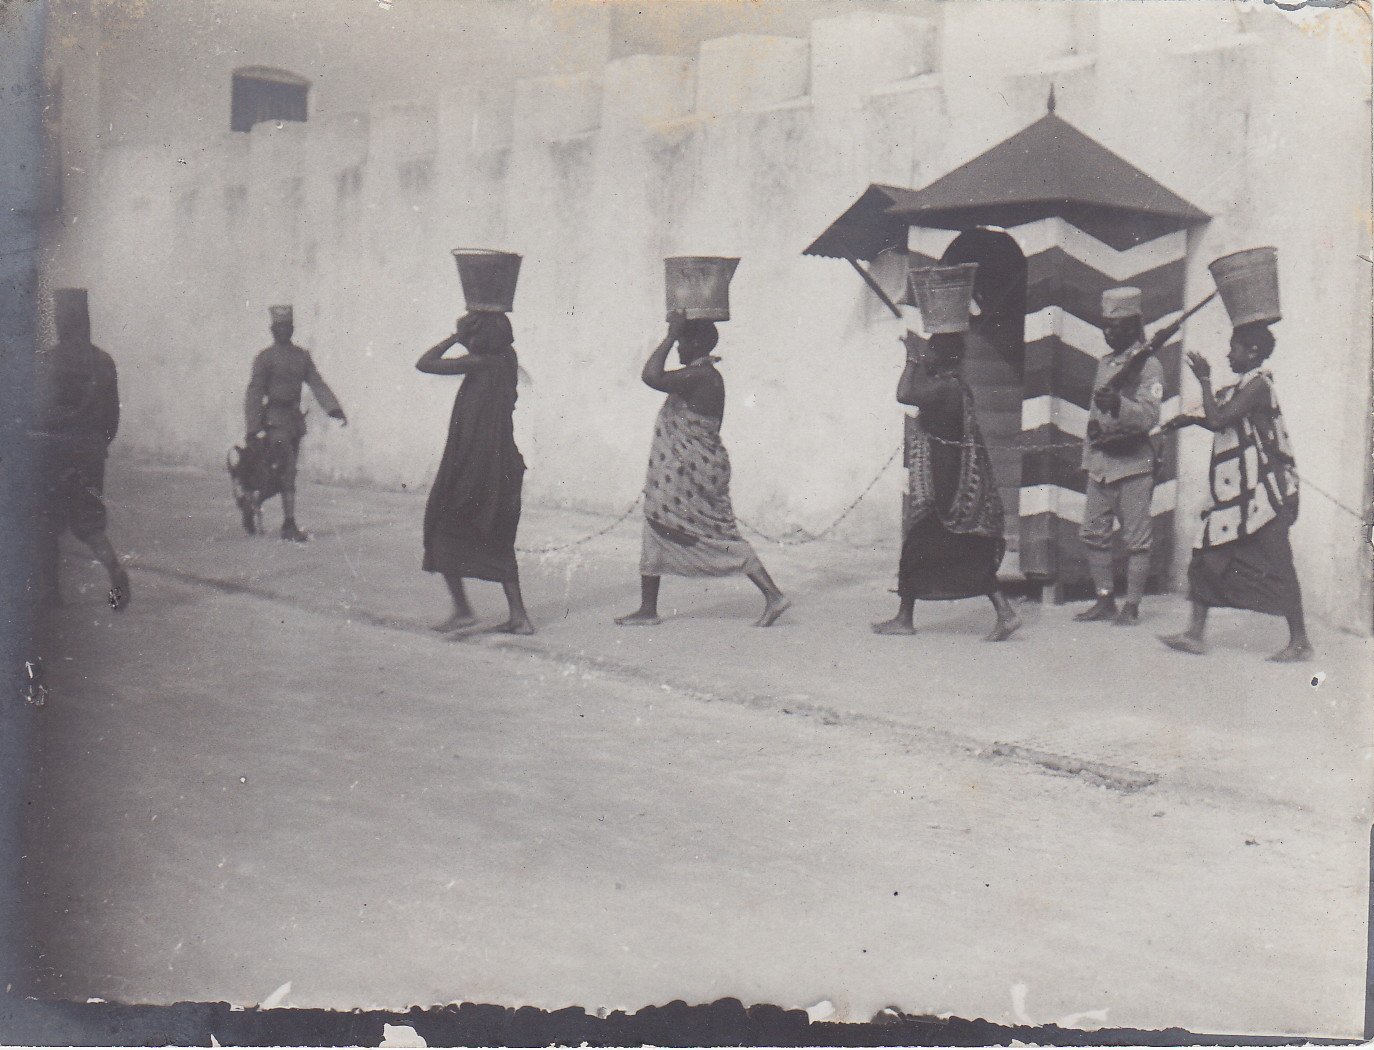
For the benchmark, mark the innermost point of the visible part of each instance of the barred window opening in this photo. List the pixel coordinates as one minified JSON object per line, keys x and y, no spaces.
{"x":260,"y":93}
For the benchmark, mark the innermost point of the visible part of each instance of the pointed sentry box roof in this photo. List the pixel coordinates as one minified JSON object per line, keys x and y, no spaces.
{"x":1051,"y":169}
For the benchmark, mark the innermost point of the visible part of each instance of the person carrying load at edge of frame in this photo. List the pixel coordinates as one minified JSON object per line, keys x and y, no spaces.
{"x":1243,"y":559}
{"x":77,"y":386}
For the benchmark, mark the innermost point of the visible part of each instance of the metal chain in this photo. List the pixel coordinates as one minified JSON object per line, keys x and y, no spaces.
{"x":783,"y":541}
{"x":791,"y":541}
{"x":1322,"y":492}
{"x":584,"y":539}
{"x":1049,"y":446}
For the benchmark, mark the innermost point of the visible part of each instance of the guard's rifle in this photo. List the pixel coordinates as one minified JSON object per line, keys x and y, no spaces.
{"x":1129,"y":373}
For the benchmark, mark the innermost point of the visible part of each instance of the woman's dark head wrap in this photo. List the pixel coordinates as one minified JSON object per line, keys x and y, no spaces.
{"x":1257,"y":336}
{"x":947,"y":347}
{"x":486,"y":332}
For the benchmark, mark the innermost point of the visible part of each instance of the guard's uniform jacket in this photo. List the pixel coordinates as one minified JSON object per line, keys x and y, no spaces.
{"x":1139,"y":414}
{"x":1121,"y":478}
{"x":273,"y":401}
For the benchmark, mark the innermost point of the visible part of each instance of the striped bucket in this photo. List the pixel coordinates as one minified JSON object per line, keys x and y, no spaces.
{"x":1249,"y":285}
{"x":488,"y":278}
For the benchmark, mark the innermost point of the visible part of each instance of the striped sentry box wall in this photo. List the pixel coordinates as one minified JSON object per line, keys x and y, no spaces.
{"x":1067,"y":271}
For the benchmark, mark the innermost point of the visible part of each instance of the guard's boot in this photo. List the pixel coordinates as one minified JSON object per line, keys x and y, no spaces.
{"x":1103,"y":609}
{"x":290,"y":532}
{"x":1129,"y":615}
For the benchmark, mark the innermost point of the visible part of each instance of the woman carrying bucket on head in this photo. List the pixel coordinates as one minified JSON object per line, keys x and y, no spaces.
{"x":1243,"y":559}
{"x":954,"y":541}
{"x":689,"y":523}
{"x":474,"y":504}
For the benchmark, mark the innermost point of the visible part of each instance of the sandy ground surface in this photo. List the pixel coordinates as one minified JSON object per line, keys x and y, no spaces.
{"x":268,"y":771}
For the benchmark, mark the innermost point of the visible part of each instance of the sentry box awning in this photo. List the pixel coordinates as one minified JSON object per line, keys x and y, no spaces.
{"x":867,"y":229}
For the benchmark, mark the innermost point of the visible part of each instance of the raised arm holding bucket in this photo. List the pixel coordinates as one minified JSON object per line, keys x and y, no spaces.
{"x":473,"y":510}
{"x":689,"y":522}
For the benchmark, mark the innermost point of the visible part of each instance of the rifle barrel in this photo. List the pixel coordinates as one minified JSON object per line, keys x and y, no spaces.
{"x":1171,"y":329}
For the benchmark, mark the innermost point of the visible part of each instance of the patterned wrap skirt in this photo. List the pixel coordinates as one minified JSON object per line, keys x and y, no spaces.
{"x":689,"y":523}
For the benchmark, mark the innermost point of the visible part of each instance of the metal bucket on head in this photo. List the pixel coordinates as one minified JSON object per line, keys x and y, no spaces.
{"x":943,"y":294}
{"x":488,"y":278}
{"x":698,"y":286}
{"x":1249,"y":285}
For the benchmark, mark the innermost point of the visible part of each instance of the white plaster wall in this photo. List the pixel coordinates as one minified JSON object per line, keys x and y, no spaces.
{"x":595,"y":175}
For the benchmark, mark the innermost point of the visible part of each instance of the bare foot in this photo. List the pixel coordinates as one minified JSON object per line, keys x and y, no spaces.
{"x":896,"y":625}
{"x":1185,"y":643}
{"x":1293,"y":652}
{"x":1003,"y":629}
{"x":521,"y":626}
{"x":772,"y":610}
{"x":639,"y":618}
{"x":456,"y":622}
{"x":120,"y":595}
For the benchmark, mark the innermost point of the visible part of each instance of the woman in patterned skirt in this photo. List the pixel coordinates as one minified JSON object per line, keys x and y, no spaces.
{"x":689,"y":523}
{"x":954,"y":541}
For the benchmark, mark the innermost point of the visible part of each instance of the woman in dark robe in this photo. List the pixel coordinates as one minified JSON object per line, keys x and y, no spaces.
{"x":954,"y":541}
{"x":1243,"y":559}
{"x":474,"y":503}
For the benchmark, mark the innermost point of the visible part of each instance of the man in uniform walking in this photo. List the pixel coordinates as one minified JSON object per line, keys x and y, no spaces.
{"x":1119,"y":456}
{"x":273,"y":409}
{"x":77,"y":417}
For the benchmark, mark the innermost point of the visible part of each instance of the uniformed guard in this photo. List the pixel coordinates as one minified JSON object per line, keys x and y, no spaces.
{"x":273,"y":408}
{"x":77,"y":417}
{"x":1119,"y":456}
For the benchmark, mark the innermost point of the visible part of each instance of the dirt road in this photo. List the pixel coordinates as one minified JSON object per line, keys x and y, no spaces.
{"x":240,"y":793}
